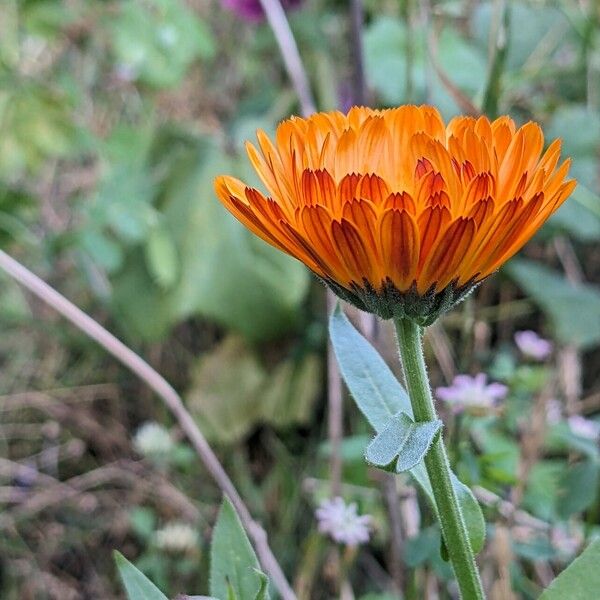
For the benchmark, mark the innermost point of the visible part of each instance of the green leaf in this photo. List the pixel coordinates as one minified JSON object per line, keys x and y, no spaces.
{"x":232,"y":380}
{"x":578,"y":488}
{"x":580,"y":580}
{"x":263,"y":591}
{"x":468,"y":503}
{"x":574,"y":310}
{"x":226,"y":273}
{"x":161,"y":257}
{"x":156,"y":41}
{"x":234,"y":568}
{"x":402,"y":440}
{"x":375,"y":390}
{"x":137,"y":585}
{"x":379,"y":396}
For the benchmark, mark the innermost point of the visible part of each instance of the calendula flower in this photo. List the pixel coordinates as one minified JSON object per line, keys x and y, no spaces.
{"x":397,"y":212}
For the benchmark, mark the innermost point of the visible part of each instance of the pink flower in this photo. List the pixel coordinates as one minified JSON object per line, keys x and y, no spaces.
{"x":585,"y":428}
{"x":342,"y":522}
{"x":472,"y":394}
{"x":532,"y":345}
{"x":251,"y":10}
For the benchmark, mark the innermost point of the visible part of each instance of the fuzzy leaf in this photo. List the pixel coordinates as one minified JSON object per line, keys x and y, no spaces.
{"x":372,"y":384}
{"x":137,"y":585}
{"x":580,"y":580}
{"x":234,"y":568}
{"x":379,"y":396}
{"x":403,"y":441}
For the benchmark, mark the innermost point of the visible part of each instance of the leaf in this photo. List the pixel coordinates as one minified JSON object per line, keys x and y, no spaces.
{"x":161,"y":257}
{"x":157,"y":41}
{"x":137,"y":585}
{"x":468,"y":503}
{"x":226,"y":274}
{"x":375,"y":390}
{"x":234,"y":567}
{"x":578,"y":488}
{"x":402,"y":440}
{"x":263,"y":591}
{"x":580,"y":580}
{"x":574,"y":310}
{"x":231,"y":391}
{"x":379,"y":396}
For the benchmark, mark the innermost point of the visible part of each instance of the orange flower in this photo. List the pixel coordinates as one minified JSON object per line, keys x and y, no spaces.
{"x":397,"y":212}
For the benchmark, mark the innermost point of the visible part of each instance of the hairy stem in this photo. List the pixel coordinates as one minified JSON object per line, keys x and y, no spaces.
{"x":454,"y":530}
{"x":170,"y":397}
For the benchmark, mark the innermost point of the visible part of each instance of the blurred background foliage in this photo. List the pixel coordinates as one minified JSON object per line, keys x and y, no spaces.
{"x":114,"y":118}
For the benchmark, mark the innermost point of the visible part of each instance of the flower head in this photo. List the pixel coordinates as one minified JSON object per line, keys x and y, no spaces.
{"x":152,"y":440}
{"x":342,"y":523}
{"x":397,"y":212}
{"x":585,"y":428}
{"x":176,"y":537}
{"x":472,"y":394}
{"x":252,"y":10}
{"x":532,"y":345}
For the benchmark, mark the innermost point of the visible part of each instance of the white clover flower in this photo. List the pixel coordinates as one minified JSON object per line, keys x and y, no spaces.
{"x":342,"y":522}
{"x":153,"y":440}
{"x":472,"y":394}
{"x":176,"y":537}
{"x":532,"y":345}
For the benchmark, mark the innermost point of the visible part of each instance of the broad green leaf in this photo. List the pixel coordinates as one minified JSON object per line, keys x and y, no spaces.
{"x":375,"y":390}
{"x":157,"y":41}
{"x":231,"y":381}
{"x":379,"y":396}
{"x":580,"y":580}
{"x":161,"y":257}
{"x":403,"y":441}
{"x":137,"y":585}
{"x":578,"y":488}
{"x":234,"y":567}
{"x":226,"y":273}
{"x":574,"y":310}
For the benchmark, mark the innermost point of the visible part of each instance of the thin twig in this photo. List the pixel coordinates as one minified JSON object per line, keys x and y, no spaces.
{"x":289,"y":51}
{"x":170,"y":397}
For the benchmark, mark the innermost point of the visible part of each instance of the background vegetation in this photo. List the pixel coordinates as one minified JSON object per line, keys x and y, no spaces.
{"x":114,"y":118}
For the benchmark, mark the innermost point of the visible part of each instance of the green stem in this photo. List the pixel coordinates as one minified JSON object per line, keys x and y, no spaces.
{"x":451,"y":519}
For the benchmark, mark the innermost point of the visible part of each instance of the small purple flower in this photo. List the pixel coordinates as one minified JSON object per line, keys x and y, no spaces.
{"x":532,"y":345}
{"x":585,"y":428}
{"x":472,"y":394}
{"x":342,"y":522}
{"x":252,"y":10}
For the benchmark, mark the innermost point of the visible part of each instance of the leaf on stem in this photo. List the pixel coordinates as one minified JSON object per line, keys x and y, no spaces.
{"x":234,"y":569}
{"x":137,"y":585}
{"x":580,"y":580}
{"x":379,"y":396}
{"x":402,"y":441}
